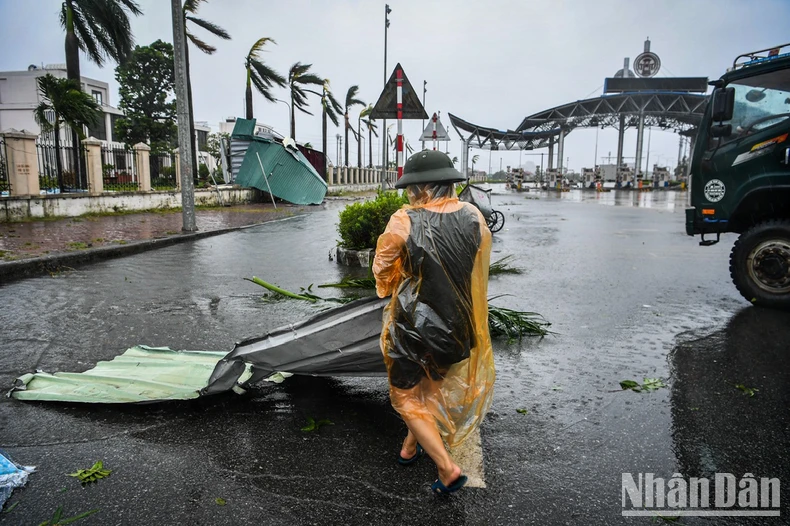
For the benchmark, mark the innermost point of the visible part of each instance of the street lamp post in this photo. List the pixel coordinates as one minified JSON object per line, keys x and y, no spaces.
{"x":338,"y":147}
{"x":290,"y":110}
{"x":385,"y":150}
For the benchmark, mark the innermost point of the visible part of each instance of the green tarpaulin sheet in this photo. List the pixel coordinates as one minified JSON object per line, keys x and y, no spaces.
{"x":286,"y":174}
{"x":141,"y":374}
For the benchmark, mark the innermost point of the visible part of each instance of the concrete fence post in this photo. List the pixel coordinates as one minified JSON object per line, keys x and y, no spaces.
{"x":344,"y":177}
{"x":330,"y":172}
{"x":93,"y":163}
{"x":142,"y":156}
{"x":177,"y":161}
{"x":20,"y":150}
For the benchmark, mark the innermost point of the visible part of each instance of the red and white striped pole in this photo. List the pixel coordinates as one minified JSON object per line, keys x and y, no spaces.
{"x":433,"y":134}
{"x":399,"y":77}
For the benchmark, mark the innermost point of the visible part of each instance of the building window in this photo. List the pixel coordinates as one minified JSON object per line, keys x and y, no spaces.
{"x":97,"y":96}
{"x":100,"y":131}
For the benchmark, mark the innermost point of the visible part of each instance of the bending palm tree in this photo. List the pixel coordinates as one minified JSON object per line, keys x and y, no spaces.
{"x":371,"y":125}
{"x":351,"y":101}
{"x":330,"y":108}
{"x":101,"y":29}
{"x":190,"y":10}
{"x":299,"y":76}
{"x":70,"y":105}
{"x":262,"y":76}
{"x":362,"y":114}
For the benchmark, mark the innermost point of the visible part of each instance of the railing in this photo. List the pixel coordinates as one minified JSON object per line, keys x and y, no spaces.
{"x":119,"y":169}
{"x":5,"y":186}
{"x":58,"y":171}
{"x":163,"y":171}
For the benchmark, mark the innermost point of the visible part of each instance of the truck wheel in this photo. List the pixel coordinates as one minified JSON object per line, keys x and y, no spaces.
{"x":760,"y":264}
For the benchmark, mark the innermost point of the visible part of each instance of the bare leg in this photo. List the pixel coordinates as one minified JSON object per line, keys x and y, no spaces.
{"x":409,"y":448}
{"x":427,"y":434}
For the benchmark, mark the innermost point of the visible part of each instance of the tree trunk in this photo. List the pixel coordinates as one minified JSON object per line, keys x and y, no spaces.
{"x":58,"y":162}
{"x":370,"y":147}
{"x":191,"y":115}
{"x":347,"y":127}
{"x":323,"y":140}
{"x":73,"y":73}
{"x":293,"y":118}
{"x":359,"y":143}
{"x":248,"y":98}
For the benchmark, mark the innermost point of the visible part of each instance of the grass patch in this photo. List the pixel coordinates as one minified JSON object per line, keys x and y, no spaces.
{"x":77,"y":245}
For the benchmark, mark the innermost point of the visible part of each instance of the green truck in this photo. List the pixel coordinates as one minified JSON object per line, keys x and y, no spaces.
{"x":739,"y":175}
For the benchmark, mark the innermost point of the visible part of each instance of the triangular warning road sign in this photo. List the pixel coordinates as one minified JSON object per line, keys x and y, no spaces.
{"x":387,"y":105}
{"x":441,"y":132}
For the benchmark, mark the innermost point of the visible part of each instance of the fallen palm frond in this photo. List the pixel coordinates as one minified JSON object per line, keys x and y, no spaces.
{"x":510,"y":323}
{"x":275,"y":288}
{"x":352,"y":283}
{"x":515,"y":324}
{"x":504,"y":266}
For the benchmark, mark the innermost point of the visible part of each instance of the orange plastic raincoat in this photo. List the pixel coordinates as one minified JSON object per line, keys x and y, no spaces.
{"x":433,"y":259}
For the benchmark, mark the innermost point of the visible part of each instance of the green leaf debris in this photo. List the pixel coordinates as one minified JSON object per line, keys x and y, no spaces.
{"x":96,"y":472}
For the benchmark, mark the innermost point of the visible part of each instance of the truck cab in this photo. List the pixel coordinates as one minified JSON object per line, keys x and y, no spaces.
{"x":739,"y":175}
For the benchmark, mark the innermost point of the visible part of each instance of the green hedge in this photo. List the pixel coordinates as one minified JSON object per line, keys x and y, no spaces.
{"x":361,"y":224}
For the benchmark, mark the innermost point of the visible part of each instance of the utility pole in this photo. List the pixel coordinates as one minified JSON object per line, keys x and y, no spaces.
{"x":385,"y":151}
{"x":185,"y":143}
{"x":424,"y":89}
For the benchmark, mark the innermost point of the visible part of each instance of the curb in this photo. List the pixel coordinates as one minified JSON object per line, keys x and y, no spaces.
{"x":33,"y":267}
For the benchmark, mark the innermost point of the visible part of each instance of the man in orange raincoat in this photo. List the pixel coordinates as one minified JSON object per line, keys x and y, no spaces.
{"x":433,"y":260}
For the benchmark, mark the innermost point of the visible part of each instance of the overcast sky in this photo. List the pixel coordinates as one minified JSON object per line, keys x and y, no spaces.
{"x":489,"y":62}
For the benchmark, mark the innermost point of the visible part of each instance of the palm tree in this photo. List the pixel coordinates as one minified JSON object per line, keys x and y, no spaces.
{"x":371,"y":125}
{"x":351,"y":101}
{"x":101,"y":29}
{"x":474,"y":160}
{"x":262,"y":76}
{"x":299,"y":76}
{"x":190,"y":10}
{"x":330,"y":108}
{"x":70,"y":105}
{"x":362,"y":114}
{"x":455,"y":160}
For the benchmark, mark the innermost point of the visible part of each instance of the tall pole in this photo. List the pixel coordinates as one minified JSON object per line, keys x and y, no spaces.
{"x":384,"y":136}
{"x":185,"y":143}
{"x":399,"y":80}
{"x":647,"y":161}
{"x":424,"y":89}
{"x":595,"y":161}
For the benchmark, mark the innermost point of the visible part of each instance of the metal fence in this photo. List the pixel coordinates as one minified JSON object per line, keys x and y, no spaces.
{"x":119,"y":169}
{"x":163,"y":171}
{"x":61,"y":169}
{"x":5,"y":186}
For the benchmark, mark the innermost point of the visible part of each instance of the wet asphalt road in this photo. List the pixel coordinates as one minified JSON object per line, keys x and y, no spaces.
{"x":629,"y":294}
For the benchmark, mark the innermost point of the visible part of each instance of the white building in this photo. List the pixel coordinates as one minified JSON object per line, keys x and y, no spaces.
{"x":260,"y":128}
{"x":19,"y":96}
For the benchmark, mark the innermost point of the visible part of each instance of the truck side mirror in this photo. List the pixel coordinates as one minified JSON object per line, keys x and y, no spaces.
{"x":723,"y":104}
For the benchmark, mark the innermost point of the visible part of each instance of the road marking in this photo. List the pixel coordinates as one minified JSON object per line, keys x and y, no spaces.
{"x":469,"y":456}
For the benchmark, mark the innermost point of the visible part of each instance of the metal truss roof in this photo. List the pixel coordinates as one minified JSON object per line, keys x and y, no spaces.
{"x":670,"y":110}
{"x":492,"y":139}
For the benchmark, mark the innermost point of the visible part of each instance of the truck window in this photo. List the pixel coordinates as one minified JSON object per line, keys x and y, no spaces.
{"x":760,"y":102}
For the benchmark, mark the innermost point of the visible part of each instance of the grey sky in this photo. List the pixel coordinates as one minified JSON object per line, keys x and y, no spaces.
{"x":489,"y":62}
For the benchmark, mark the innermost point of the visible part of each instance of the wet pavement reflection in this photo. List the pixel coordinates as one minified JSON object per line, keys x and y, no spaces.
{"x":629,"y":295}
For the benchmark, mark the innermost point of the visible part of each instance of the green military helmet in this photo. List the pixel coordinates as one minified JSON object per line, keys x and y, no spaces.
{"x":429,"y":166}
